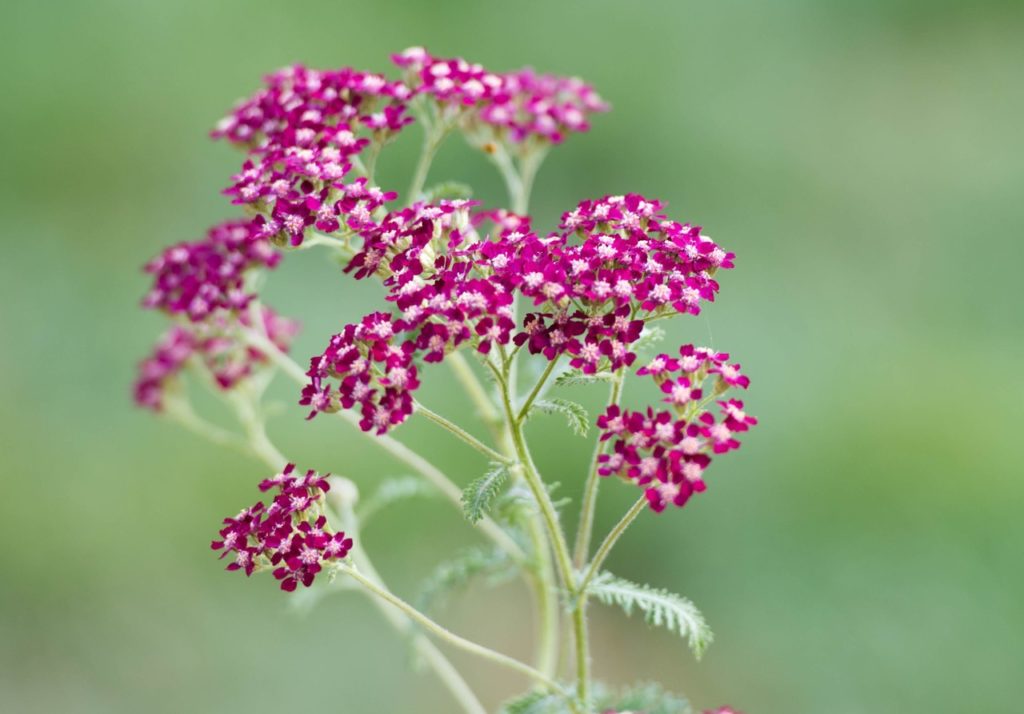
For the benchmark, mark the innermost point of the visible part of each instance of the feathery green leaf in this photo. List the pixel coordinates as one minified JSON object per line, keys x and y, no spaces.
{"x":456,"y":573}
{"x":478,"y":496}
{"x":575,"y":414}
{"x":392,"y":490}
{"x":574,"y":377}
{"x":536,"y":703}
{"x":659,"y":607}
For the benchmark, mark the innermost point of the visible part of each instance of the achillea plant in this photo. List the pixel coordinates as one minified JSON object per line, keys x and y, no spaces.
{"x":481,"y":290}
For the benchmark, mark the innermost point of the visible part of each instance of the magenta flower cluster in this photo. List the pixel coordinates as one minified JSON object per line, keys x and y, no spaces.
{"x":197,"y":279}
{"x":665,"y":451}
{"x":614,"y":262}
{"x":214,"y":343}
{"x":289,"y":535}
{"x":521,"y":105}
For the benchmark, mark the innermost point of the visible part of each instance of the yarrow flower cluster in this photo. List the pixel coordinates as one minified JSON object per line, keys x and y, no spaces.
{"x":521,"y":104}
{"x":578,"y":298}
{"x":198,"y":279}
{"x":665,"y":451}
{"x":216,"y":345}
{"x":289,"y":535}
{"x":615,"y":262}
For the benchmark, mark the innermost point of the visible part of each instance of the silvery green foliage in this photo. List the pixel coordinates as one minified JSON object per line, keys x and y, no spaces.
{"x":392,"y":490}
{"x":574,"y":377}
{"x":478,"y":496}
{"x":659,"y":607}
{"x":537,"y":703}
{"x":575,"y":414}
{"x":646,"y":697}
{"x":491,"y":564}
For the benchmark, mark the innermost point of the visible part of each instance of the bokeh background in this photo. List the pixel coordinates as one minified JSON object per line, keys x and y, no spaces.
{"x":861,"y":553}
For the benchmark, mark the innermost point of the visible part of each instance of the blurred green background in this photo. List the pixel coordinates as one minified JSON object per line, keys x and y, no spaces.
{"x":861,"y":553}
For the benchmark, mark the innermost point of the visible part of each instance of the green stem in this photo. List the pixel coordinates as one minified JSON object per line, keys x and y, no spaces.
{"x":445,"y":670}
{"x":556,"y":539}
{"x":432,"y":140}
{"x":541,"y":575}
{"x":485,"y":407}
{"x":589,"y":504}
{"x":394,"y":447}
{"x":447,"y":635}
{"x":461,"y":433}
{"x":540,"y":494}
{"x":609,"y":542}
{"x":536,"y":390}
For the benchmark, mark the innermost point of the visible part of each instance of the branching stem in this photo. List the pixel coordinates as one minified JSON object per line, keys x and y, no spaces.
{"x":447,"y":635}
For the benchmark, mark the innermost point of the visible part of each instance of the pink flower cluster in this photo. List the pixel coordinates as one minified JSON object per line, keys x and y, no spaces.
{"x":614,"y":262}
{"x":521,"y":104}
{"x":665,"y":451}
{"x":214,"y":342}
{"x":205,"y":282}
{"x":301,"y":133}
{"x":197,"y":279}
{"x":290,"y":535}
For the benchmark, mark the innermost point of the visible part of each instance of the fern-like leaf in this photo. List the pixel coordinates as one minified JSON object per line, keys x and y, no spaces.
{"x":536,"y":703}
{"x":392,"y":490}
{"x":478,"y":496}
{"x":659,"y":607}
{"x":646,"y":697}
{"x":574,"y":377}
{"x":575,"y":414}
{"x":452,"y":575}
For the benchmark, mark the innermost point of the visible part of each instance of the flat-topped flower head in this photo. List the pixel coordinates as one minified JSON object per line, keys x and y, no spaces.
{"x":302,"y":133}
{"x":666,"y":451}
{"x":291,"y":536}
{"x":515,"y":106}
{"x":200,"y":278}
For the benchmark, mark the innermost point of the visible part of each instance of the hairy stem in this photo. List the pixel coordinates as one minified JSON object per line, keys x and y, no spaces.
{"x":536,"y":390}
{"x":557,"y":542}
{"x":444,"y":669}
{"x":589,"y":504}
{"x":432,"y":140}
{"x":484,"y":405}
{"x":447,"y":635}
{"x":461,"y":433}
{"x":609,"y":542}
{"x":394,"y":447}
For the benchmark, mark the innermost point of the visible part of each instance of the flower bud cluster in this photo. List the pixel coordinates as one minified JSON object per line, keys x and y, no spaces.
{"x":290,"y":535}
{"x":666,"y":451}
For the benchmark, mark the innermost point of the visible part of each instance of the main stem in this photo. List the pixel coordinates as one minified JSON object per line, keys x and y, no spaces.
{"x":432,"y":140}
{"x":557,"y":541}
